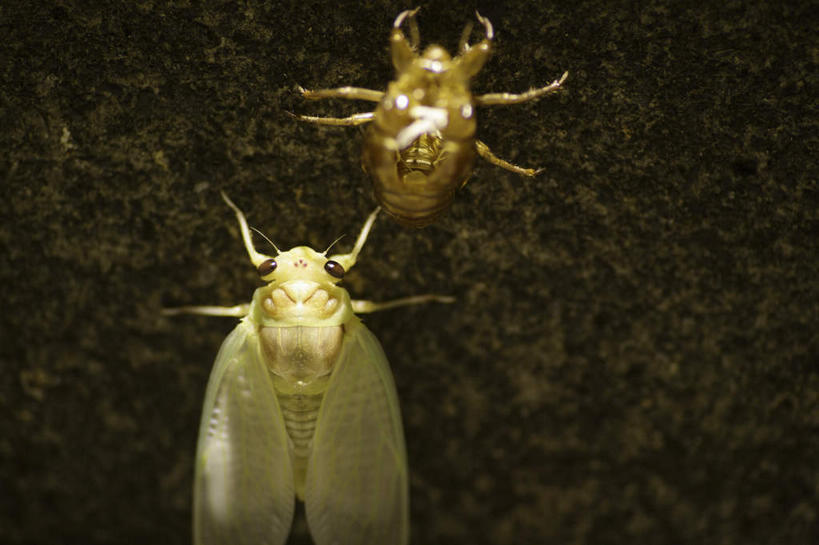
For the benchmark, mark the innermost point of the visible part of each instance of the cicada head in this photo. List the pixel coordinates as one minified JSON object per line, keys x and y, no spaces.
{"x":302,"y":283}
{"x":430,"y":94}
{"x":302,"y":290}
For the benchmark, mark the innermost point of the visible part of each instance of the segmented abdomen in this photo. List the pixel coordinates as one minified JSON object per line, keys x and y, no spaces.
{"x":300,"y":413}
{"x":418,"y":183}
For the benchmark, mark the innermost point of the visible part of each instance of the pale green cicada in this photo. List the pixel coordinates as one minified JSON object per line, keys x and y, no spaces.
{"x":301,"y":404}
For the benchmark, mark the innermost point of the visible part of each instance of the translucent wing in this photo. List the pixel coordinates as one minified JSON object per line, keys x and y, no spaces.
{"x":356,"y":489}
{"x":243,"y":492}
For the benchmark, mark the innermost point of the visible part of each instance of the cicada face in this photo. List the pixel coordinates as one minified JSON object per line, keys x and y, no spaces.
{"x":302,"y":290}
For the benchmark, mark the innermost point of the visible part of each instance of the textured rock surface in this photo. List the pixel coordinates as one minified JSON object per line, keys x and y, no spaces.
{"x":632,"y":357}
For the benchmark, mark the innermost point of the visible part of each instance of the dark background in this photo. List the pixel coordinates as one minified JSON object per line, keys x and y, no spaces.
{"x":632,"y":357}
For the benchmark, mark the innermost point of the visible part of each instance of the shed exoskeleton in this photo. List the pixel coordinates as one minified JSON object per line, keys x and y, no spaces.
{"x":301,"y":404}
{"x":420,"y":145}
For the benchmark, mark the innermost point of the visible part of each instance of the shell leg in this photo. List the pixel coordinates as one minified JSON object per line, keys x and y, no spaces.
{"x":350,"y":121}
{"x":403,"y":51}
{"x":499,"y":99}
{"x":486,"y":153}
{"x":351,"y":93}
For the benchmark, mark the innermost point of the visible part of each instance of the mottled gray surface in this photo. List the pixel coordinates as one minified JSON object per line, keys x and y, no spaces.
{"x":633,"y":354}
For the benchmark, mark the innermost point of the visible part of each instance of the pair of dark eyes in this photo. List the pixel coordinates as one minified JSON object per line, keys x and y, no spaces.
{"x":333,"y":268}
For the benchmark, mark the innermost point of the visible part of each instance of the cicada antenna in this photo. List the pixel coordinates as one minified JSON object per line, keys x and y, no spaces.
{"x":267,"y":239}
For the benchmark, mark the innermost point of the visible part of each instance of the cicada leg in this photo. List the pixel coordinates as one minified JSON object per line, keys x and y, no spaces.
{"x":463,"y":43}
{"x":351,"y":121}
{"x":495,"y":99}
{"x":403,"y":52}
{"x":237,"y":311}
{"x":351,"y":93}
{"x":472,"y":58}
{"x":486,"y":153}
{"x":362,"y":307}
{"x":415,"y":34}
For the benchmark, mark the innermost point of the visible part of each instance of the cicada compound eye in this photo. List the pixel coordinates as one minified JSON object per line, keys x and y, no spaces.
{"x":266,"y":267}
{"x":334,"y":268}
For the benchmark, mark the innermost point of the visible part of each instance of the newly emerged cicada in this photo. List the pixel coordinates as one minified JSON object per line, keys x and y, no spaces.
{"x":301,"y":404}
{"x":420,"y":146}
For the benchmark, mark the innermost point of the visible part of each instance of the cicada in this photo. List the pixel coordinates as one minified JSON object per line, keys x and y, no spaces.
{"x":301,"y":404}
{"x":420,"y":146}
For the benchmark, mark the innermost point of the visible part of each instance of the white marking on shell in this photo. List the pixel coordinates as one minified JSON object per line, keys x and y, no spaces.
{"x":427,"y":121}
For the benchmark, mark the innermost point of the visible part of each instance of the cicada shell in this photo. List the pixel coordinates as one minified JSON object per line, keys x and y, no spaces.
{"x":301,"y":404}
{"x":420,"y":146}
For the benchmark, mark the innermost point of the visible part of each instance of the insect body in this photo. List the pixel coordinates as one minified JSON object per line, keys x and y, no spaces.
{"x":301,"y":404}
{"x":420,"y":145}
